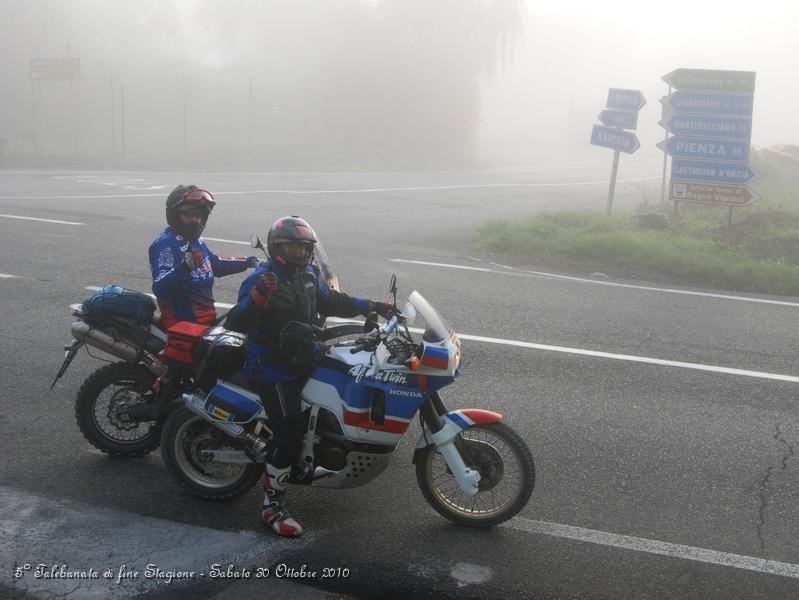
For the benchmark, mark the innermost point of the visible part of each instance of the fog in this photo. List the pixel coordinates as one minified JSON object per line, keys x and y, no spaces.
{"x":572,"y":52}
{"x":381,"y":84}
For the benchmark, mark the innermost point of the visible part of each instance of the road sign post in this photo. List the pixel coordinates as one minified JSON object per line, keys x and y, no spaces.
{"x":621,"y":114}
{"x":710,"y":116}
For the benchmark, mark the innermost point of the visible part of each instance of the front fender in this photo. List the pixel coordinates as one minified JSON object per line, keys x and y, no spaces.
{"x":454,"y":422}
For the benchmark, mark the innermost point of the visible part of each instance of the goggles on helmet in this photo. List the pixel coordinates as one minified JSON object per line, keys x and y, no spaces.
{"x":197,"y":197}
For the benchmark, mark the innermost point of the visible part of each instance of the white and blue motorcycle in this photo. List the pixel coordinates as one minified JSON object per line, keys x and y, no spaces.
{"x":361,"y":398}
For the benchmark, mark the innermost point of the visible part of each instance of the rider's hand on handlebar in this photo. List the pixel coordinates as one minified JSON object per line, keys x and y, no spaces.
{"x":261,"y":293}
{"x":384,"y":308}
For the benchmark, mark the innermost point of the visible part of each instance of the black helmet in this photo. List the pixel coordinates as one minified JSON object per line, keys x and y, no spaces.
{"x":188,"y":196}
{"x":290,"y":229}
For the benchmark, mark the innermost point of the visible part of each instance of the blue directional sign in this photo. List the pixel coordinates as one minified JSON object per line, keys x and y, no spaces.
{"x":710,"y":126}
{"x":702,"y":103}
{"x":617,"y":139}
{"x":625,"y":99}
{"x":703,"y":170}
{"x":626,"y":119}
{"x":706,"y":148}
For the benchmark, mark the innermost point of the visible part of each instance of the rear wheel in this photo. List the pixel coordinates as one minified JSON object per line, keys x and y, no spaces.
{"x":184,"y":444}
{"x":101,"y":406}
{"x":507,"y":476}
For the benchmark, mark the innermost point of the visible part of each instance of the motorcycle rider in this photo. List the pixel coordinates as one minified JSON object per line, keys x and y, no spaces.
{"x":276,"y":306}
{"x":183,"y":268}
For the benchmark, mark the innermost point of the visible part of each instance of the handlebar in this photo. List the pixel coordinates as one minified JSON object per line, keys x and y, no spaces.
{"x":389,"y":325}
{"x":370,"y":341}
{"x":366,"y":343}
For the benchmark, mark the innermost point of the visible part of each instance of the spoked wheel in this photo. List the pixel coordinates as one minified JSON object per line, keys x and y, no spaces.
{"x":507,"y":476}
{"x":101,"y":406}
{"x":185,"y":444}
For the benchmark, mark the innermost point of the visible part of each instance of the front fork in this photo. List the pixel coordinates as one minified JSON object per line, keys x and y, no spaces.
{"x":444,"y":434}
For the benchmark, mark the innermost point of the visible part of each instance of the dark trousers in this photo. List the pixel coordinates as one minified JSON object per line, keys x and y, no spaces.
{"x":283,"y":404}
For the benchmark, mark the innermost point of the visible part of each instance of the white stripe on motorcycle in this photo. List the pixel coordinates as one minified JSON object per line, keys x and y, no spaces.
{"x":595,"y":353}
{"x":627,"y":542}
{"x":81,"y":537}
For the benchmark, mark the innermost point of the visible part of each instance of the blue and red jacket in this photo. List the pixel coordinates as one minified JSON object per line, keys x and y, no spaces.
{"x":299,"y":298}
{"x":185,"y":295}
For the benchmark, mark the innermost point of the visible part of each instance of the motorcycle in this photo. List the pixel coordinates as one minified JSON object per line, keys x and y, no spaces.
{"x":115,"y":408}
{"x":121,"y":407}
{"x":359,"y":401}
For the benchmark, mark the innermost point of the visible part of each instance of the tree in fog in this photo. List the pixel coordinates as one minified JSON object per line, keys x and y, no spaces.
{"x":402,"y":81}
{"x":270,"y":83}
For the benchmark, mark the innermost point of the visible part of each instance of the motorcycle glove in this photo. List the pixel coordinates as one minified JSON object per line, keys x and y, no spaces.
{"x":261,"y":293}
{"x":192,"y":259}
{"x":384,"y":308}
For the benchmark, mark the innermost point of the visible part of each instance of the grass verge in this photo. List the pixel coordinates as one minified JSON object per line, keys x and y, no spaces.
{"x":764,"y":257}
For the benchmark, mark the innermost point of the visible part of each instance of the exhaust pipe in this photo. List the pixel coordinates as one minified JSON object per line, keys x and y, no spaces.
{"x":99,"y":339}
{"x":196,"y":404}
{"x":83,"y":332}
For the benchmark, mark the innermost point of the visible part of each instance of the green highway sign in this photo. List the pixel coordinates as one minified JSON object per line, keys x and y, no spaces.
{"x":711,"y":81}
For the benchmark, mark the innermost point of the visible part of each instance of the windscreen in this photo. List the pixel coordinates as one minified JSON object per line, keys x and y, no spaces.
{"x":436,"y":328}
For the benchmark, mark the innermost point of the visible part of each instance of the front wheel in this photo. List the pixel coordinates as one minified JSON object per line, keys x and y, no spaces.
{"x":185,"y":442}
{"x":507,"y":476}
{"x":101,"y":406}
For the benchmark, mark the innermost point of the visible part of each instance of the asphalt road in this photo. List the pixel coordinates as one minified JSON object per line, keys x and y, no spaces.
{"x":663,"y":420}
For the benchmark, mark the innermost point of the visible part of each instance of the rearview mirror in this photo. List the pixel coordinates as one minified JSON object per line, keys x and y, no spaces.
{"x":255,"y":242}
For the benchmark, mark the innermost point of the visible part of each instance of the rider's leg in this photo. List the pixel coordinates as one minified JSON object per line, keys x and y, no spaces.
{"x":284,"y":407}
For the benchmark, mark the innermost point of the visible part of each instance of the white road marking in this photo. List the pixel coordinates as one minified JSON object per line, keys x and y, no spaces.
{"x":583,"y":352}
{"x":38,"y":219}
{"x":627,"y":542}
{"x":342,"y":191}
{"x":91,"y":539}
{"x":632,"y":358}
{"x":226,"y":241}
{"x":467,"y":573}
{"x":525,"y":273}
{"x":7,"y":276}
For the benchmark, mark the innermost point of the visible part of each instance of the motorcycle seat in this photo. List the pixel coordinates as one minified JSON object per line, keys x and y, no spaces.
{"x":239,"y":380}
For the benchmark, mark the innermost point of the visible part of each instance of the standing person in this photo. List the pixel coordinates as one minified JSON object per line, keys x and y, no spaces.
{"x":182,"y":266}
{"x":277,"y":304}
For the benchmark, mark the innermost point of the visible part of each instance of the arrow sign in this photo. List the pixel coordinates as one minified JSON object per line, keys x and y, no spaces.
{"x":617,"y":139}
{"x":713,"y":81}
{"x":697,"y":102}
{"x":625,"y":99}
{"x":737,"y":195}
{"x":626,"y":119}
{"x":715,"y":172}
{"x":707,"y":148}
{"x":700,"y":125}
